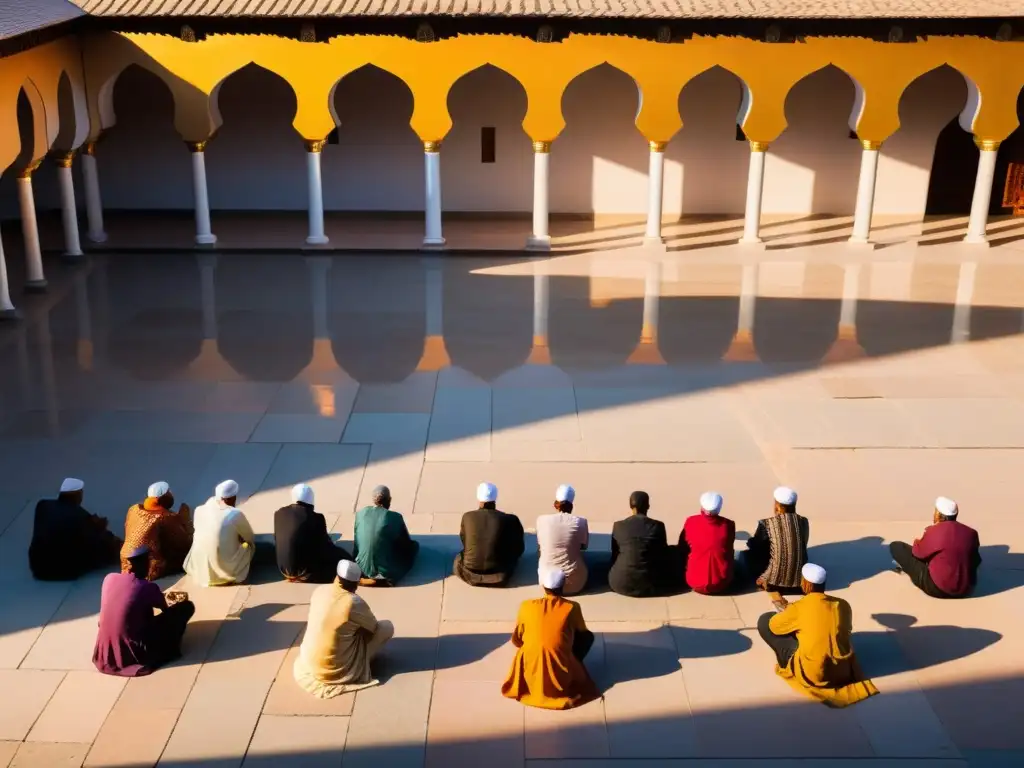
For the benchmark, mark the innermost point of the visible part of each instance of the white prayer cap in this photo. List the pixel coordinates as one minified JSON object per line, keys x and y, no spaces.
{"x":349,"y":571}
{"x":813,"y":573}
{"x":552,"y":578}
{"x":785,"y":495}
{"x":946,"y":507}
{"x":303,"y":493}
{"x":486,"y":492}
{"x":711,"y":502}
{"x":71,"y":484}
{"x":226,"y":490}
{"x":565,"y":493}
{"x":156,"y":490}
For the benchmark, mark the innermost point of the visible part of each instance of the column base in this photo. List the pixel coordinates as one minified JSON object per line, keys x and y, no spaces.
{"x":538,"y":243}
{"x":97,"y":237}
{"x":977,"y":241}
{"x":73,"y":258}
{"x":655,"y":244}
{"x":35,"y":286}
{"x":860,"y":245}
{"x":9,"y":315}
{"x":434,"y":243}
{"x":317,"y":240}
{"x":753,"y":243}
{"x":206,"y":239}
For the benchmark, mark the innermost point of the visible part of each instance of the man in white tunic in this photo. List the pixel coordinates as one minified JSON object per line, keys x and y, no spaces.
{"x":224,"y":543}
{"x":561,"y":538}
{"x":342,"y":636}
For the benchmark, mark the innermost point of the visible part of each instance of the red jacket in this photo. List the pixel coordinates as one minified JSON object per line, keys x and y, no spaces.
{"x":709,"y":539}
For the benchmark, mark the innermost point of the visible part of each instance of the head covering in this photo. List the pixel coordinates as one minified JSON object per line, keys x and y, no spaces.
{"x":552,"y":578}
{"x":380,"y":493}
{"x":349,"y":571}
{"x":565,"y":493}
{"x":946,"y":507}
{"x":303,"y":493}
{"x":139,"y":551}
{"x":785,"y":495}
{"x":711,"y":502}
{"x":813,"y":573}
{"x":226,"y":490}
{"x":71,"y":484}
{"x":156,"y":490}
{"x":486,"y":492}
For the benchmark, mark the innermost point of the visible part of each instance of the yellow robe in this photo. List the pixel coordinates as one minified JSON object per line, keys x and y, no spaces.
{"x":824,"y":665}
{"x":545,"y":673}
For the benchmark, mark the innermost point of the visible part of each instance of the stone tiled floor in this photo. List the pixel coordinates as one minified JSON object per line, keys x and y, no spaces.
{"x":872,"y":382}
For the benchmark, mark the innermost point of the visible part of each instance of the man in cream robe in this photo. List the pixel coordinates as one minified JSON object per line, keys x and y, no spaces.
{"x":223,"y":544}
{"x":342,"y":636}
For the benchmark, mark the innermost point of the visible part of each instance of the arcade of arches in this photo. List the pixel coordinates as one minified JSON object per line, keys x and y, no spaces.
{"x":595,"y":124}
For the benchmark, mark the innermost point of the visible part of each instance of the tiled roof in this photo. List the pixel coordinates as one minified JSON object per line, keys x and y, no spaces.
{"x":20,"y":16}
{"x":666,"y":9}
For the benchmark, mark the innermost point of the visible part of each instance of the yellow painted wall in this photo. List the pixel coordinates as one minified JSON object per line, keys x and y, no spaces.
{"x":193,"y":71}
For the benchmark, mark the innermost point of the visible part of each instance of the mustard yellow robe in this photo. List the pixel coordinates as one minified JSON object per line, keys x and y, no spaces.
{"x":545,"y":673}
{"x":824,"y":665}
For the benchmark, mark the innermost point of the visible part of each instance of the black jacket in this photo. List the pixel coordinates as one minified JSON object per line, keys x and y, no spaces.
{"x":305,"y":551}
{"x":492,"y":542}
{"x":67,"y":541}
{"x":640,"y":557}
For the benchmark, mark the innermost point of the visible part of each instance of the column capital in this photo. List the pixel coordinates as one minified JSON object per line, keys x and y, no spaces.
{"x":315,"y":146}
{"x":541,"y":147}
{"x":28,"y":170}
{"x":986,"y":145}
{"x":63,"y":159}
{"x":657,"y":146}
{"x":759,"y":146}
{"x":871,"y":146}
{"x":432,"y":147}
{"x":195,"y":147}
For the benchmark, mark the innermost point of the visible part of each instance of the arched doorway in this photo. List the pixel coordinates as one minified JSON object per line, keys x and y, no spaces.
{"x":955,"y":159}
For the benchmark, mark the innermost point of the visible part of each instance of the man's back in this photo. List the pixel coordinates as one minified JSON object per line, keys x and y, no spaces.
{"x":222,"y":547}
{"x":640,"y":549}
{"x":126,"y":616}
{"x":58,"y":535}
{"x":952,"y":551}
{"x":382,"y":543}
{"x":562,"y":538}
{"x":492,"y":540}
{"x":334,"y":646}
{"x":710,"y":541}
{"x":787,"y":536}
{"x":300,"y":536}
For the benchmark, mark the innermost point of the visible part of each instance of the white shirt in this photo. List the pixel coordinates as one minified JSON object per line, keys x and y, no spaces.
{"x":562,"y":538}
{"x":222,"y":547}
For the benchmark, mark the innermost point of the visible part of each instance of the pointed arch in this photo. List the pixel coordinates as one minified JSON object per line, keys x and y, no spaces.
{"x":41,"y":139}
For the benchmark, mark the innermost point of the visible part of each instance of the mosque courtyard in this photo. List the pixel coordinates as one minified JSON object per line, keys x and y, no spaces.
{"x":870,"y":381}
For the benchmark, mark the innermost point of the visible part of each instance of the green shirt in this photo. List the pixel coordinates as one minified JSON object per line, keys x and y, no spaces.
{"x":383,"y":548}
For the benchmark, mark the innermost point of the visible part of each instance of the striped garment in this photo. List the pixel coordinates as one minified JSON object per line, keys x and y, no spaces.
{"x":788,"y":534}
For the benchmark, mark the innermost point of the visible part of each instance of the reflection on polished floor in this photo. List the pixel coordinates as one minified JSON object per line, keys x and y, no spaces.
{"x":871,"y":382}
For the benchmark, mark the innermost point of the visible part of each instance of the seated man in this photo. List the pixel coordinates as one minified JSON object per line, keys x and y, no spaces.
{"x":383,"y":548}
{"x":67,"y":541}
{"x":224,"y":544}
{"x":811,"y":640}
{"x":305,"y":551}
{"x":708,"y":538}
{"x":561,"y":538}
{"x":492,"y":542}
{"x":944,"y":561}
{"x":132,"y":641}
{"x":778,"y":549}
{"x":640,"y":553}
{"x":342,"y":637}
{"x":552,"y":640}
{"x":166,"y":534}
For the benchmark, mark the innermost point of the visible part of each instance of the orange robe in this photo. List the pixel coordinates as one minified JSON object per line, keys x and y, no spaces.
{"x":545,"y":672}
{"x":824,"y":666}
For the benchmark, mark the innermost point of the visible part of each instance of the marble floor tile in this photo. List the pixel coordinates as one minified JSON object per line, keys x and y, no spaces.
{"x":498,"y":733}
{"x":77,"y":709}
{"x":49,"y":755}
{"x":26,"y":693}
{"x":576,"y":733}
{"x":413,"y":395}
{"x":387,"y":428}
{"x":286,"y":698}
{"x":398,"y":740}
{"x":310,"y":742}
{"x":131,"y":737}
{"x":298,"y":428}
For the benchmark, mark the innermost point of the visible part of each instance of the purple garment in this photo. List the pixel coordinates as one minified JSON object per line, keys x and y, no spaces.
{"x":126,"y":618}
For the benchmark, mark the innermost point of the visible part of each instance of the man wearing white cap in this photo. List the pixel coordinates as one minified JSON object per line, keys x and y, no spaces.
{"x":641,"y":565}
{"x":708,"y":540}
{"x":305,"y":551}
{"x":811,"y":640}
{"x":552,"y":640}
{"x":68,"y":541}
{"x":165,"y":533}
{"x":224,"y":544}
{"x":778,"y":549}
{"x":342,"y":637}
{"x":561,"y":538}
{"x":492,"y":542}
{"x":944,"y":561}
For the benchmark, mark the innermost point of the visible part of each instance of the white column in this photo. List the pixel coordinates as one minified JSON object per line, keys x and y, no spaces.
{"x":435,"y":352}
{"x":865,"y":193}
{"x":93,"y":203}
{"x":655,"y":193}
{"x":68,"y":206}
{"x":755,"y":188}
{"x":35,"y":280}
{"x":201,"y":199}
{"x":848,"y":305}
{"x":540,"y":240}
{"x":432,"y":167}
{"x":976,"y":225}
{"x":316,"y":193}
{"x":961,"y":330}
{"x":742,"y":349}
{"x":7,"y":309}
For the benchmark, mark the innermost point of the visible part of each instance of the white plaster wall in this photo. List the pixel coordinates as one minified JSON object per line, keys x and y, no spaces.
{"x":598,"y":164}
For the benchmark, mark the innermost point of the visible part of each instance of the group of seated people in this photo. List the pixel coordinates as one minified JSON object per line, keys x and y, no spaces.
{"x":141,"y":628}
